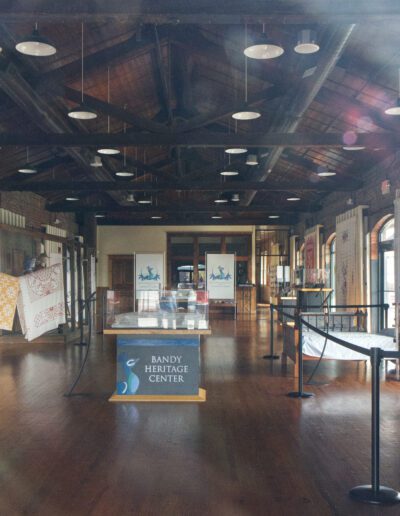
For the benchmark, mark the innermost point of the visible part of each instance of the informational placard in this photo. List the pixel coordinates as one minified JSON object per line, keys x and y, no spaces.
{"x":149,"y":272}
{"x":158,"y":365}
{"x":221,"y":277}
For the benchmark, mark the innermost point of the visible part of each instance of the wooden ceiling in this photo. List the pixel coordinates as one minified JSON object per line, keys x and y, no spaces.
{"x":177,"y":73}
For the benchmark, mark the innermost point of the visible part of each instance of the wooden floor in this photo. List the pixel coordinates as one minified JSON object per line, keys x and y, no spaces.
{"x":249,"y":450}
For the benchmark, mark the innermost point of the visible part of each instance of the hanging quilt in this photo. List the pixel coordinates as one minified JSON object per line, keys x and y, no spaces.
{"x":40,"y":304}
{"x":9,"y":289}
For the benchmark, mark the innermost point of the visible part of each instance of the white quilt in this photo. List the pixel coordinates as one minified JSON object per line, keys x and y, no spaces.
{"x":313,"y":344}
{"x":40,"y":303}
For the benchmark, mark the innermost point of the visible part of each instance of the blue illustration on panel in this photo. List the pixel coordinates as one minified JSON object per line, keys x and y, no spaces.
{"x":221,"y":275}
{"x":150,"y":276}
{"x":130,"y":381}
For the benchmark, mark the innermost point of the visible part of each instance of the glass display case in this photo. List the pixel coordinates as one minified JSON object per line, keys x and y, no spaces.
{"x":160,"y":309}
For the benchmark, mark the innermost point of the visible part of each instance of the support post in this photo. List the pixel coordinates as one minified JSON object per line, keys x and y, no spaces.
{"x":300,"y":392}
{"x":271,"y":355}
{"x":375,"y":493}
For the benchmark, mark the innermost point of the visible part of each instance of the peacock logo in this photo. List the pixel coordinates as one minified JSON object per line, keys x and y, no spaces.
{"x":130,"y":381}
{"x":150,"y":275}
{"x":221,"y":275}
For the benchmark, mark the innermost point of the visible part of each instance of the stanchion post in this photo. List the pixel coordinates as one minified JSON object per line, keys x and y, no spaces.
{"x":300,"y":392}
{"x":375,"y":493}
{"x":271,"y":355}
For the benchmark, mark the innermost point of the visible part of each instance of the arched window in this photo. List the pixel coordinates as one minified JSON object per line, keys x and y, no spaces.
{"x":386,"y":271}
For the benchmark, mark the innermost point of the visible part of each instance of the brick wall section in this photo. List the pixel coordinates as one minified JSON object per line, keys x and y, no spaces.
{"x":370,"y":194}
{"x":32,"y":206}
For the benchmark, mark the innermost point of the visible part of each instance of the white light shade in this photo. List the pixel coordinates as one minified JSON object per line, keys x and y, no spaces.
{"x":293,"y":199}
{"x":100,"y":216}
{"x":394,"y":110}
{"x":124,"y":173}
{"x":144,"y":201}
{"x":156,"y":217}
{"x":273,"y":216}
{"x":220,"y":201}
{"x":35,"y":45}
{"x":72,"y":199}
{"x":96,"y":162}
{"x":306,"y":42}
{"x":108,"y":151}
{"x":236,"y":150}
{"x":235,"y":197}
{"x":27,"y":169}
{"x":216,"y":217}
{"x":326,"y":173}
{"x":252,"y":160}
{"x":82,"y":112}
{"x":353,"y":147}
{"x":247,"y":114}
{"x":263,"y":48}
{"x":229,"y":173}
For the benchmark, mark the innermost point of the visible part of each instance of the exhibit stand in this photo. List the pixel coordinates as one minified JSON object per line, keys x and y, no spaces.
{"x":158,"y":347}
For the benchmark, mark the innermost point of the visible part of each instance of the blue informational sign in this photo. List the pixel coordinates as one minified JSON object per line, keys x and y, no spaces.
{"x":158,"y":365}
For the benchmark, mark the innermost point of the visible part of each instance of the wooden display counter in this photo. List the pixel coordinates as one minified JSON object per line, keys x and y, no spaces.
{"x":158,"y":365}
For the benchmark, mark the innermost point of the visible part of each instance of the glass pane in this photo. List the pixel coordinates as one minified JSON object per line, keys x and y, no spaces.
{"x":182,"y":245}
{"x":237,"y":244}
{"x":388,"y":279}
{"x":209,"y":244}
{"x":241,"y":273}
{"x":387,"y":232}
{"x":181,"y":272}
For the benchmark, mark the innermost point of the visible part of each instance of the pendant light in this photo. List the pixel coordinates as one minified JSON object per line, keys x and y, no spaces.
{"x":229,"y":171}
{"x":325,"y":172}
{"x":293,"y":199}
{"x":216,"y":217}
{"x":252,"y":160}
{"x":235,"y":150}
{"x":306,"y":42}
{"x":96,"y":162}
{"x":125,"y":172}
{"x":27,"y":168}
{"x":273,"y":216}
{"x":395,"y":110}
{"x":247,"y":113}
{"x":82,"y":112}
{"x":108,"y":150}
{"x":263,"y":48}
{"x":235,"y":197}
{"x":35,"y":45}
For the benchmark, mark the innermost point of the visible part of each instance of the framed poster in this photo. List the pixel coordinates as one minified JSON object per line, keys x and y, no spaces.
{"x":149,"y":272}
{"x":221,"y":276}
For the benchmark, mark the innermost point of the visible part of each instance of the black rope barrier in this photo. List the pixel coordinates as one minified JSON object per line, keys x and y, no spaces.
{"x":271,"y":355}
{"x":373,"y":493}
{"x":88,"y":301}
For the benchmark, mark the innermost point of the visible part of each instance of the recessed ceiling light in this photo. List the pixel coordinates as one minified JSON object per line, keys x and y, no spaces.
{"x":353,"y":147}
{"x":72,"y":199}
{"x":236,"y":150}
{"x":124,"y":173}
{"x":293,"y":199}
{"x":273,"y":216}
{"x":36,"y":45}
{"x":229,"y":173}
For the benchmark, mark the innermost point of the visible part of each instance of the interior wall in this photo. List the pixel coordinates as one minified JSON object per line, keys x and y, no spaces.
{"x":150,"y":239}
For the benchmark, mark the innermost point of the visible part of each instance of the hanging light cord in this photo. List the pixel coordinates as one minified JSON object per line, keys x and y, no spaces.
{"x":82,"y":63}
{"x":245,"y":64}
{"x":108,"y":97}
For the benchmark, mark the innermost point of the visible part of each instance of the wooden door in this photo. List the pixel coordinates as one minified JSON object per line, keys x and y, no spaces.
{"x":120,"y":279}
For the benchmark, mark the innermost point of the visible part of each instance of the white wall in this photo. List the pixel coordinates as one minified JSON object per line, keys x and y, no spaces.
{"x":150,"y":239}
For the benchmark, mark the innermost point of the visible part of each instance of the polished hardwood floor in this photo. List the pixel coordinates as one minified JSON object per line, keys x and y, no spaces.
{"x":249,"y":450}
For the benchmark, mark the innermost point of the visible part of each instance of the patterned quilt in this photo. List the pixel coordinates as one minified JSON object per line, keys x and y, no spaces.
{"x":9,"y":289}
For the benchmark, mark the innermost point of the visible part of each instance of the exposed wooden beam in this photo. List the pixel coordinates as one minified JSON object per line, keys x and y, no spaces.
{"x":185,"y":221}
{"x":133,"y":186}
{"x":199,"y":139}
{"x":271,"y":208}
{"x":207,"y":11}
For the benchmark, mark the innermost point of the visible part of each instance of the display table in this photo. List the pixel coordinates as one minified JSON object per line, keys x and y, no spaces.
{"x":156,"y":365}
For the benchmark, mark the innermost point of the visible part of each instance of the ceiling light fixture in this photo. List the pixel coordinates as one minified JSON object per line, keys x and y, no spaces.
{"x":216,"y":217}
{"x":108,"y":150}
{"x":72,"y":199}
{"x":124,"y":172}
{"x":292,"y":199}
{"x":236,"y":150}
{"x":325,"y":172}
{"x":247,"y":113}
{"x":395,"y":110}
{"x":252,"y":160}
{"x":235,"y":197}
{"x":100,"y":216}
{"x":144,"y":200}
{"x":36,"y":45}
{"x":306,"y":42}
{"x":82,"y":112}
{"x":96,"y":162}
{"x":263,"y":48}
{"x":229,"y":173}
{"x":28,"y":168}
{"x":273,"y":216}
{"x":220,"y":200}
{"x":353,"y":147}
{"x":156,"y":217}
